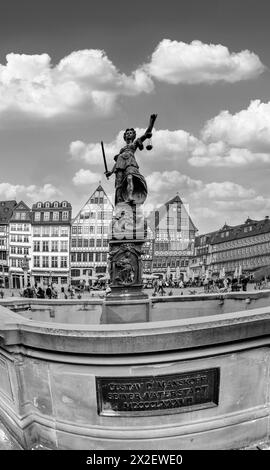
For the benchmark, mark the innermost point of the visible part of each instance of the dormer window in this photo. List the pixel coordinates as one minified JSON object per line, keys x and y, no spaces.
{"x":47,"y":204}
{"x":39,"y":205}
{"x":64,"y":204}
{"x":55,"y":204}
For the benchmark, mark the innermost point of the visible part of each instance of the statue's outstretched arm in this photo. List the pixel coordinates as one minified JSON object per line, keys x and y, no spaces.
{"x":148,"y":132}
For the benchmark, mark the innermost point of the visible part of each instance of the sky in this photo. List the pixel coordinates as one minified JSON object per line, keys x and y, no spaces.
{"x":75,"y":73}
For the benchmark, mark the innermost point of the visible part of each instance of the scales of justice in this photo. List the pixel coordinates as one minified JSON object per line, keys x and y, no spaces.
{"x":128,"y":229}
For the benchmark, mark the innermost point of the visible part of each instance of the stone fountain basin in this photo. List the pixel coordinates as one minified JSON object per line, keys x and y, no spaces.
{"x":52,"y":374}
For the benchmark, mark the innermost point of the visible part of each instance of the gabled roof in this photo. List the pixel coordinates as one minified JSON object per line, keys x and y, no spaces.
{"x":98,"y":189}
{"x":6,"y":209}
{"x":21,"y":207}
{"x":163,"y":209}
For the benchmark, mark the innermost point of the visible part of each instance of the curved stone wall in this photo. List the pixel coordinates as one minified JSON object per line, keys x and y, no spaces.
{"x":197,"y":383}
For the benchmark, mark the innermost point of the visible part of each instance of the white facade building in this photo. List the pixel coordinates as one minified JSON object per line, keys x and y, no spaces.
{"x":20,"y":242}
{"x":89,"y":239}
{"x":51,"y":239}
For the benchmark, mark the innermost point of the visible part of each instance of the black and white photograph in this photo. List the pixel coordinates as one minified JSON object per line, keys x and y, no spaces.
{"x":134,"y":230}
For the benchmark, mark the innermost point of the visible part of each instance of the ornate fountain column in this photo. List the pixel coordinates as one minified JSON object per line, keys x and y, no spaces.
{"x":128,"y":235}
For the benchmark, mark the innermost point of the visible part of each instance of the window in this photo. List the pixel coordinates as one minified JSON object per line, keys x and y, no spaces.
{"x":64,"y":204}
{"x":91,"y":242}
{"x":91,"y":257}
{"x":79,"y":257}
{"x":37,"y":231}
{"x":45,"y":261}
{"x":74,"y":242}
{"x":98,"y":257}
{"x":47,"y":204}
{"x":85,"y":242}
{"x":46,"y":216}
{"x":98,"y":242}
{"x":65,"y":215}
{"x":54,"y":262}
{"x":39,"y":204}
{"x":26,"y":251}
{"x":54,"y":279}
{"x":55,"y":215}
{"x":26,"y":239}
{"x":86,"y":229}
{"x":46,"y":231}
{"x":79,"y":242}
{"x":63,"y":280}
{"x":74,"y":229}
{"x":79,"y":229}
{"x":23,"y":215}
{"x":13,"y":262}
{"x":64,"y":232}
{"x":99,"y":229}
{"x":55,"y":231}
{"x":45,"y":246}
{"x":36,"y":245}
{"x":55,"y":204}
{"x":64,"y":245}
{"x":36,"y":262}
{"x":13,"y":250}
{"x":75,"y":273}
{"x":104,"y":257}
{"x":37,"y":215}
{"x":63,"y":262}
{"x":84,"y":257}
{"x":54,"y":245}
{"x":105,"y":242}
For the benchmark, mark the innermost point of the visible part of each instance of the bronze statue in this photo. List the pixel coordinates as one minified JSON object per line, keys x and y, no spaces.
{"x":130,"y":185}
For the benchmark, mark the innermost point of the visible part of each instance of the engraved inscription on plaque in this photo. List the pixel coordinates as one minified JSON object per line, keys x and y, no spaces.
{"x":159,"y":394}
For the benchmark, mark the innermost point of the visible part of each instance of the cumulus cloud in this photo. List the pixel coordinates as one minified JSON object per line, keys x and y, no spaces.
{"x":160,"y":182}
{"x":248,"y":128}
{"x":32,"y":192}
{"x":169,"y":147}
{"x":89,"y":79}
{"x":31,"y":84}
{"x":220,"y":154}
{"x":85,"y":177}
{"x":235,"y":140}
{"x":177,"y":62}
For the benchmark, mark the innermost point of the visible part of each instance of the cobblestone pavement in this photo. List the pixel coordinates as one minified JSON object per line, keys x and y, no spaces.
{"x":100,"y":294}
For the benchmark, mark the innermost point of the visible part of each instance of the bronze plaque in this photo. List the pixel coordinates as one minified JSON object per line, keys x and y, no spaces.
{"x":159,"y":394}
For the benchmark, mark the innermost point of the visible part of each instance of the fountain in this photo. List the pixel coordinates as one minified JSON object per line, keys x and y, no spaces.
{"x":132,"y":372}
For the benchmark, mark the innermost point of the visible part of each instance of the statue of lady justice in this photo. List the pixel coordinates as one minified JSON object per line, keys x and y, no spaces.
{"x":130,"y":185}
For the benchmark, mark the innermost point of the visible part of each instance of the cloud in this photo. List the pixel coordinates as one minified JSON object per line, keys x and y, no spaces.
{"x":88,"y":79}
{"x":235,"y":140}
{"x":169,"y":147}
{"x":85,"y":177}
{"x":249,"y":128}
{"x":33,"y":193}
{"x":173,"y":180}
{"x":31,"y":84}
{"x":220,"y":154}
{"x":177,"y":62}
